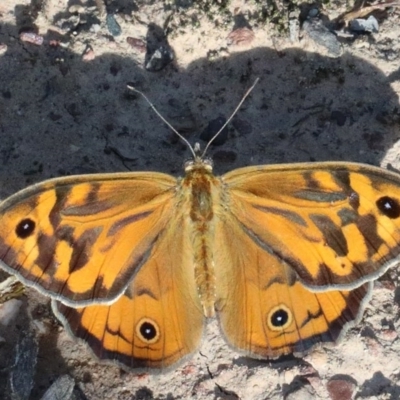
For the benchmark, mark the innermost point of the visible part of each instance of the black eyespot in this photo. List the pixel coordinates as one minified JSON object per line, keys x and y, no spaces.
{"x":25,"y":228}
{"x":389,"y":207}
{"x":279,"y":318}
{"x":147,"y":330}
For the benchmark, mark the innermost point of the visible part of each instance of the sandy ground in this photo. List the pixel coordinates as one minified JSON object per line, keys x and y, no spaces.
{"x":65,"y":109}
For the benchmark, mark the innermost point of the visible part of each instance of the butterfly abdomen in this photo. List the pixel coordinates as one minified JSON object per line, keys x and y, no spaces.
{"x":200,"y":184}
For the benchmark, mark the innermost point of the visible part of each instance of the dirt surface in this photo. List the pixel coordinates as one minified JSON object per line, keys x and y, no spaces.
{"x":65,"y":109}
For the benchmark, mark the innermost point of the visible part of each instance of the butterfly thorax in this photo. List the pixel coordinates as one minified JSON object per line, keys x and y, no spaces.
{"x":201,"y":187}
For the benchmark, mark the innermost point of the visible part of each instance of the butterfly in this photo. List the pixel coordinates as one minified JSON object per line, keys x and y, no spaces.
{"x":135,"y":263}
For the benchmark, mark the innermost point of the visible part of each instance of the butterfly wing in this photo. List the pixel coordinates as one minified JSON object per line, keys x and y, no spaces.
{"x":297,"y":247}
{"x":157,"y":322}
{"x":265,"y":311}
{"x":82,"y":239}
{"x":337,"y":225}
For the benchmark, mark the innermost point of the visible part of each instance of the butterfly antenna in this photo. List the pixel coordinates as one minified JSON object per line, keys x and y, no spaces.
{"x":130,"y":87}
{"x":230,"y":118}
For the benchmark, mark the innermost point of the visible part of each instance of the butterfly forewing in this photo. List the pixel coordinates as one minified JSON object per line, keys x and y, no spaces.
{"x":81,"y":239}
{"x":336,"y":224}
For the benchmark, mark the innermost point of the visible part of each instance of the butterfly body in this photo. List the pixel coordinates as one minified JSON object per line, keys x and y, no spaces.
{"x":201,"y":189}
{"x":283,"y":255}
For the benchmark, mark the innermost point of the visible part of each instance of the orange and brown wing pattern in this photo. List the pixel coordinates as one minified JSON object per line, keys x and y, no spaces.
{"x":337,"y":225}
{"x":265,"y":311}
{"x":157,"y":322}
{"x":81,"y":239}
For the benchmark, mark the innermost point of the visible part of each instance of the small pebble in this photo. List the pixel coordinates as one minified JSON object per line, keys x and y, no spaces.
{"x":364,"y":25}
{"x":88,"y":55}
{"x":160,"y":58}
{"x":31,"y":37}
{"x":341,"y":389}
{"x":322,"y":36}
{"x":66,"y":25}
{"x":313,"y":12}
{"x":137,"y":44}
{"x":112,"y":25}
{"x":76,"y":8}
{"x":240,"y":37}
{"x":9,"y":311}
{"x":389,"y":335}
{"x":294,"y":25}
{"x":95,"y":28}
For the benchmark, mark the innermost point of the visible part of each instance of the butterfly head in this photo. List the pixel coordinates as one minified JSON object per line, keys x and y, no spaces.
{"x":198,"y":161}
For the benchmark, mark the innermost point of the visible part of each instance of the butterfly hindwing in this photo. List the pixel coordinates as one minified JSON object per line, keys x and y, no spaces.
{"x":269,"y":312}
{"x":157,"y":322}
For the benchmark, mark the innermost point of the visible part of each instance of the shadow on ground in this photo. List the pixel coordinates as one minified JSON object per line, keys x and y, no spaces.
{"x":60,"y":116}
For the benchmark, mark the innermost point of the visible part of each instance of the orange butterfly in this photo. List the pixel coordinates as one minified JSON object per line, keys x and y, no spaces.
{"x":283,"y":255}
